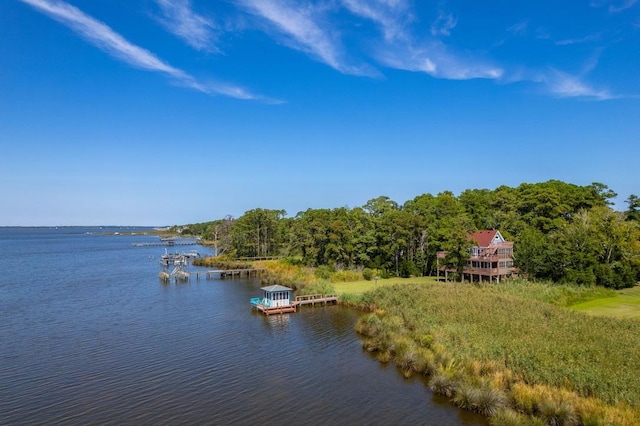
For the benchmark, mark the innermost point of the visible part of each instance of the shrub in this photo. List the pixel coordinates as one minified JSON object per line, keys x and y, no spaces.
{"x":367,"y":274}
{"x":406,"y":355}
{"x":489,"y":401}
{"x":441,"y":384}
{"x":427,"y":361}
{"x":509,"y":417}
{"x":558,"y":413}
{"x":318,"y":287}
{"x":324,"y":272}
{"x":484,"y":400}
{"x":466,"y":397}
{"x":369,"y":325}
{"x":294,"y":260}
{"x":345,"y":276}
{"x":425,"y":340}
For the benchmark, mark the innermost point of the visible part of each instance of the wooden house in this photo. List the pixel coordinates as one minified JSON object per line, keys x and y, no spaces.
{"x":491,"y":258}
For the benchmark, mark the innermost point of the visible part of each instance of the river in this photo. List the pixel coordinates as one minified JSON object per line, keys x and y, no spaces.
{"x":91,"y":336}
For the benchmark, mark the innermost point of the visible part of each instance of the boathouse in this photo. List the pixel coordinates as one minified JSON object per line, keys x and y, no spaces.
{"x":275,"y":299}
{"x":277,"y":295}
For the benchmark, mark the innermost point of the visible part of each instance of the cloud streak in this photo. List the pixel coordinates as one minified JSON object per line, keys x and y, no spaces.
{"x":107,"y":40}
{"x":301,"y":24}
{"x":615,"y":6}
{"x":443,"y":25}
{"x":400,"y":50}
{"x":311,"y":28}
{"x":565,"y":85}
{"x":179,"y":19}
{"x":433,"y":59}
{"x":390,"y":15}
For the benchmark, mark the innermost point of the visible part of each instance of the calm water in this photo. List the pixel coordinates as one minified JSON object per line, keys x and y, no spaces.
{"x":89,"y":335}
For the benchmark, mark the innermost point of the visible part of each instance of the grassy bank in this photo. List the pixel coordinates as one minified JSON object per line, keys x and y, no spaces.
{"x":517,"y":352}
{"x":514,"y":358}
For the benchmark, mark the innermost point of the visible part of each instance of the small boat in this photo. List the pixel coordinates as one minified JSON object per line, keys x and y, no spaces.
{"x":172,"y":259}
{"x":191,"y":254}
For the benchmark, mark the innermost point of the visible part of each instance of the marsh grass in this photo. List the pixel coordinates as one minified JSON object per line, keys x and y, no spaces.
{"x":443,"y":384}
{"x":558,"y":413}
{"x":556,"y":294}
{"x":494,"y":349}
{"x":509,"y":417}
{"x":484,"y":400}
{"x":305,"y":280}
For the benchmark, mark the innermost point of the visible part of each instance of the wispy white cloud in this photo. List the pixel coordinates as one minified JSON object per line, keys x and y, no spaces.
{"x":401,"y":50}
{"x":560,"y":83}
{"x":103,"y":37}
{"x":307,"y":31}
{"x":614,"y":6}
{"x":391,"y":15}
{"x":433,"y":59}
{"x":586,"y":39}
{"x":564,"y":85}
{"x":444,"y":24}
{"x":180,"y":19}
{"x":519,"y":29}
{"x":309,"y":27}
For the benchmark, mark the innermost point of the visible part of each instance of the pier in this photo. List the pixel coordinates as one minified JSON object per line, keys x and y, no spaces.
{"x":312,"y":299}
{"x":168,"y":243}
{"x":267,"y":307}
{"x":228,"y":273}
{"x":210,"y":275}
{"x":268,"y":310}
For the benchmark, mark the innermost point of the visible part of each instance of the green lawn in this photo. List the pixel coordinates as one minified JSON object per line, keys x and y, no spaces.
{"x":360,"y":287}
{"x":625,"y":304}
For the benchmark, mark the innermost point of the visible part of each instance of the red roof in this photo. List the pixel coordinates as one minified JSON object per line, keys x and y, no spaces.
{"x":483,"y":238}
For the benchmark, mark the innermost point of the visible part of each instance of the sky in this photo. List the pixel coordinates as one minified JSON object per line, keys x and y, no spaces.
{"x":163,"y":112}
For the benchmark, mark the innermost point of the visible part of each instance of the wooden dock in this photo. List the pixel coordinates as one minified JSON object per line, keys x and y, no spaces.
{"x":228,"y":273}
{"x":310,"y":299}
{"x":210,"y":275}
{"x":275,"y":310}
{"x":313,"y":299}
{"x":167,"y":243}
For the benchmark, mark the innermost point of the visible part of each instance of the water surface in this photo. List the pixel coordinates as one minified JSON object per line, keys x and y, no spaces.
{"x":91,"y":336}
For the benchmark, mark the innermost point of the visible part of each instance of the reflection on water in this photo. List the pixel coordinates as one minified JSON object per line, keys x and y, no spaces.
{"x":90,"y":335}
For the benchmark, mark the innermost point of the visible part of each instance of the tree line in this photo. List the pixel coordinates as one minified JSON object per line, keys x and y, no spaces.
{"x":562,"y":232}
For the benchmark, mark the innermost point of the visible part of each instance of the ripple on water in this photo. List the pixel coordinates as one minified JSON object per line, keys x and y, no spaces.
{"x":92,"y":337}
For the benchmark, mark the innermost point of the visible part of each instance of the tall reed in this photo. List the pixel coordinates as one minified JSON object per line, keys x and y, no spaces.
{"x":490,"y":350}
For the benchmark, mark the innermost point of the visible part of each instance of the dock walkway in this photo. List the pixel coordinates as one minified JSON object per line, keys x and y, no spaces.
{"x":228,"y":273}
{"x":312,"y":299}
{"x":170,"y":243}
{"x":211,"y":274}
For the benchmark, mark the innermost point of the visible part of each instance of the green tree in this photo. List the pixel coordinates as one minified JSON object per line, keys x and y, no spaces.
{"x":422,"y":232}
{"x":531,"y":253}
{"x":258,"y":232}
{"x":454,"y":234}
{"x":383,"y":211}
{"x":633,"y":211}
{"x":599,"y":247}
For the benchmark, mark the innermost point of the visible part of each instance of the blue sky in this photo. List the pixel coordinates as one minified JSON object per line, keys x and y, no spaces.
{"x":160,"y":112}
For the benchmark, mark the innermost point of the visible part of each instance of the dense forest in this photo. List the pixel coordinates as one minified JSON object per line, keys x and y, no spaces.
{"x":562,"y":232}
